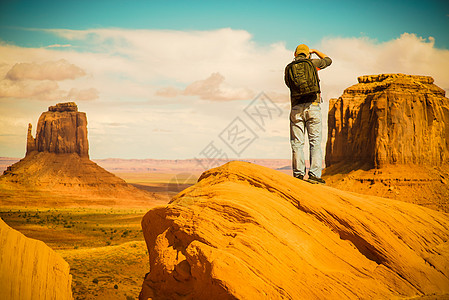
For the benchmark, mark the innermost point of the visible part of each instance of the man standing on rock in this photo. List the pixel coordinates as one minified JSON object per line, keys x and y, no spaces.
{"x":301,"y":76}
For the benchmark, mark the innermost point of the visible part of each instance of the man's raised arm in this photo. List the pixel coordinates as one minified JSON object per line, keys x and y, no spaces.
{"x":319,"y":53}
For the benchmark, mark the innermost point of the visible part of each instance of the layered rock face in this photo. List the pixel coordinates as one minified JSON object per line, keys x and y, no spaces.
{"x":249,"y":232}
{"x":389,"y":119}
{"x":29,"y":269}
{"x":389,"y":136}
{"x":62,"y":129}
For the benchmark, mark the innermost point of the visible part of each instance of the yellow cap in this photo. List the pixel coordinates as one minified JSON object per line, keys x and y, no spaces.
{"x":302,"y":49}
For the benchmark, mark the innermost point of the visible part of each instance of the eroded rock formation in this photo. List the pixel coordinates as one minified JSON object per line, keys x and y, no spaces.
{"x":29,"y":269}
{"x":57,"y":163}
{"x":62,"y":129}
{"x":389,"y":119}
{"x":249,"y":232}
{"x":389,"y":136}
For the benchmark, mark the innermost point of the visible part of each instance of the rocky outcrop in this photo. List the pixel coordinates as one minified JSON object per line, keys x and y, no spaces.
{"x":389,"y":119}
{"x":49,"y":171}
{"x":29,"y":269}
{"x":31,"y":141}
{"x":423,"y":185}
{"x":62,"y":129}
{"x":57,"y":171}
{"x":249,"y":232}
{"x":389,"y":136}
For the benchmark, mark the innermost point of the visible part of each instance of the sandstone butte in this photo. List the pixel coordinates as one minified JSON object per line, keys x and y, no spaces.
{"x":29,"y":269}
{"x":388,"y":136}
{"x":250,"y":232}
{"x":57,"y":171}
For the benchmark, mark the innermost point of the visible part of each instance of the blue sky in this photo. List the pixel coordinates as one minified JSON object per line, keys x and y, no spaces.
{"x":268,"y":21}
{"x":162,"y":79}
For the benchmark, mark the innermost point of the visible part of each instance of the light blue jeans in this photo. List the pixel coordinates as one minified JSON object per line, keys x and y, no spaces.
{"x":306,"y":116}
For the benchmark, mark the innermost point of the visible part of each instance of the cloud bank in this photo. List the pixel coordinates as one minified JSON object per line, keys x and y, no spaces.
{"x":212,"y":88}
{"x":39,"y":81}
{"x":202,"y":79}
{"x":219,"y":65}
{"x":49,"y":70}
{"x":408,"y":54}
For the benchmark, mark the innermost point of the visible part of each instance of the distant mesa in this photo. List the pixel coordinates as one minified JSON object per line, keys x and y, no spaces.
{"x":249,"y":232}
{"x":57,"y":163}
{"x":388,"y":136}
{"x":389,"y":119}
{"x":29,"y":269}
{"x":62,"y":129}
{"x":62,"y":107}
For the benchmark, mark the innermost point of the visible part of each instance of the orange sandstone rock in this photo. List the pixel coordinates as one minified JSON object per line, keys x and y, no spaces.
{"x":389,"y":136}
{"x":389,"y":119}
{"x":249,"y":232}
{"x":62,"y":129}
{"x":57,"y":165}
{"x":29,"y":269}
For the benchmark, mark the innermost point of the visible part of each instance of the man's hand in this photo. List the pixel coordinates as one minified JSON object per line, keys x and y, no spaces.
{"x":319,"y":53}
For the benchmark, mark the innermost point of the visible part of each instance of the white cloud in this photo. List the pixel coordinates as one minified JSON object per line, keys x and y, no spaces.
{"x":30,"y":89}
{"x":180,"y":57}
{"x":215,"y":88}
{"x":143,"y":77}
{"x":408,"y":54}
{"x":40,"y":81}
{"x":212,"y":88}
{"x":49,"y":70}
{"x":43,"y":90}
{"x":169,"y":92}
{"x":59,"y":46}
{"x":83,"y":95}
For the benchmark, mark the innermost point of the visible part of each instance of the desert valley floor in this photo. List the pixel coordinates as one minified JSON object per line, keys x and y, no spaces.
{"x":104,"y":247}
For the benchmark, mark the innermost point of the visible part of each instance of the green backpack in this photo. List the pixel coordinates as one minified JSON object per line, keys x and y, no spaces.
{"x":303,"y":77}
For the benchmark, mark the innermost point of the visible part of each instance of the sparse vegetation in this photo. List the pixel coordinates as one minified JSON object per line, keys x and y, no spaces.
{"x":71,"y":232}
{"x":66,"y":228}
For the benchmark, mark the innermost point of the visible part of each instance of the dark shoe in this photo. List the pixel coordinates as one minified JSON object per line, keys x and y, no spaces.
{"x":300,"y":177}
{"x":315,"y":180}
